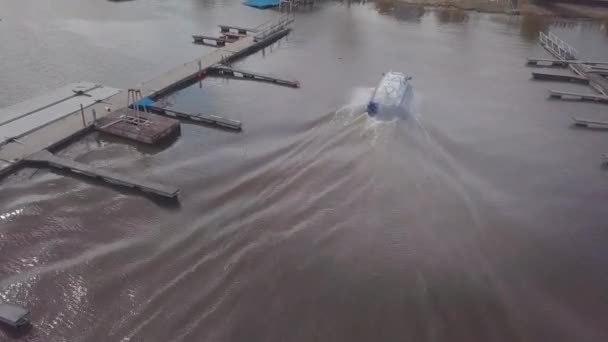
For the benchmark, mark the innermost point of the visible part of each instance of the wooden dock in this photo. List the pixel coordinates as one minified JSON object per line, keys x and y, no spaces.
{"x":208,"y":40}
{"x":138,"y":125}
{"x":571,"y":96}
{"x":47,"y":159}
{"x":590,"y":123}
{"x":598,"y":71}
{"x":239,"y":30}
{"x":565,"y":55}
{"x":76,"y":122}
{"x":26,"y":117}
{"x":599,"y":83}
{"x":273,"y":30}
{"x":561,"y":63}
{"x":225,"y":71}
{"x":206,"y":119}
{"x":558,"y":77}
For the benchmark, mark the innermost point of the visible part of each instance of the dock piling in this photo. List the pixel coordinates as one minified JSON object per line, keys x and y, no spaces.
{"x":84,"y":122}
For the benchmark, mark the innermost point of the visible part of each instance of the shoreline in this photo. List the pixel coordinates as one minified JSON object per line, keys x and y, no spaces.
{"x":561,"y":10}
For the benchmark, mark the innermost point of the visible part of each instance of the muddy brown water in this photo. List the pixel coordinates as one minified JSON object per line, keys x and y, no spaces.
{"x":479,"y":218}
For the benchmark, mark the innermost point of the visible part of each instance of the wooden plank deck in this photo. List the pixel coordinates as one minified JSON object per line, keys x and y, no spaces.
{"x":140,"y":126}
{"x":45,"y":115}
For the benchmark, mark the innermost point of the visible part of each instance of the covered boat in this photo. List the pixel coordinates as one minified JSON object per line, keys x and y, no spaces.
{"x":392,"y":96}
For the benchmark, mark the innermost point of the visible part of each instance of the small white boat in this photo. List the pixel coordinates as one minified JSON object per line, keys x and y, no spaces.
{"x":392,"y":96}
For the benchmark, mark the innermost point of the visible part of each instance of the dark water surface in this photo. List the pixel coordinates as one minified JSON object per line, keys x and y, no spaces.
{"x":480,"y":218}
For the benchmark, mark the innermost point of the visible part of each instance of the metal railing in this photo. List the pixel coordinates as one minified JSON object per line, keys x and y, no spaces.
{"x":560,"y":48}
{"x":271,"y":27}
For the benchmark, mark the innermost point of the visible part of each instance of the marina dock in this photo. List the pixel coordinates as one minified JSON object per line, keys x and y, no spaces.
{"x":77,"y":109}
{"x":586,"y":72}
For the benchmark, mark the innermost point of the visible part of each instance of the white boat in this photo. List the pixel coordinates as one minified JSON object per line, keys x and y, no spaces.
{"x":392,"y":96}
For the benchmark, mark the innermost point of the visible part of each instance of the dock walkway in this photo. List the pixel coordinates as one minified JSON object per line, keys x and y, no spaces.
{"x":23,"y":118}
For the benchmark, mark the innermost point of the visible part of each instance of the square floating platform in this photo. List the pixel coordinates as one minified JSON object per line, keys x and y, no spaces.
{"x":14,"y":315}
{"x":140,"y":126}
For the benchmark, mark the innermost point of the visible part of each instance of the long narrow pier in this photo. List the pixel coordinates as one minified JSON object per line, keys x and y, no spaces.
{"x":558,"y":77}
{"x":206,"y":119}
{"x":601,"y":72}
{"x":224,"y":71}
{"x":590,"y":123}
{"x":561,"y":63}
{"x":571,"y":96}
{"x":47,"y":159}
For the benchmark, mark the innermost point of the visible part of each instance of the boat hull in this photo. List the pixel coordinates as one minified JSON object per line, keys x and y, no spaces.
{"x":392,"y":96}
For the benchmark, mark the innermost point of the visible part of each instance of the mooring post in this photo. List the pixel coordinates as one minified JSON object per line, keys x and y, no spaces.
{"x":200,"y":74}
{"x":84,"y":123}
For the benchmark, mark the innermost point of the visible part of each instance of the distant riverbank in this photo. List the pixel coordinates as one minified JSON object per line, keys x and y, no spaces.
{"x":518,"y":7}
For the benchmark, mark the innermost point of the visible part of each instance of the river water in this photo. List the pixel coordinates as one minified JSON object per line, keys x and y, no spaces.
{"x":481,"y":217}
